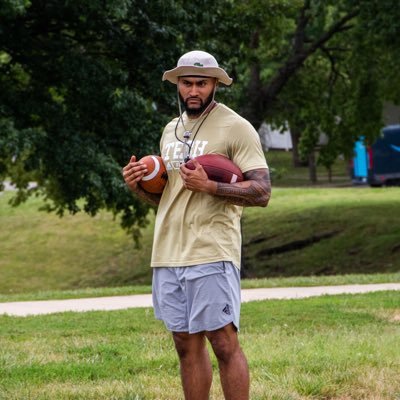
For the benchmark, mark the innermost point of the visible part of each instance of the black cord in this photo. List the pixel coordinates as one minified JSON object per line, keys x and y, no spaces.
{"x":185,"y":142}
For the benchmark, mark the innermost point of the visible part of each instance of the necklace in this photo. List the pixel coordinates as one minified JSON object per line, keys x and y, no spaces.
{"x":188,"y":132}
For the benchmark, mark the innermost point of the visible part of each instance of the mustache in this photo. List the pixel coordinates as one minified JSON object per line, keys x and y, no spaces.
{"x":193,"y":98}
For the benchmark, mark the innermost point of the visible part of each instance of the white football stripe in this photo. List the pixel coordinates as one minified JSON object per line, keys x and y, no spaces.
{"x":234,"y":178}
{"x":155,"y":171}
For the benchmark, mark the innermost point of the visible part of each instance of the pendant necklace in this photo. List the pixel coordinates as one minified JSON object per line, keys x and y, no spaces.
{"x":187,"y":133}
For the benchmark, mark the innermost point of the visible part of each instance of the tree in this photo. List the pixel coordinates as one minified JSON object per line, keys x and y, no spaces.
{"x":322,"y":66}
{"x":345,"y":99}
{"x":80,"y":92}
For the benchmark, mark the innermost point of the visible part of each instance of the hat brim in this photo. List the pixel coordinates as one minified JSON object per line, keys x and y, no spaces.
{"x":214,"y":72}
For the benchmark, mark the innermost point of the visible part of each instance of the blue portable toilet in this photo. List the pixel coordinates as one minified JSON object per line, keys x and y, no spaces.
{"x":360,"y":162}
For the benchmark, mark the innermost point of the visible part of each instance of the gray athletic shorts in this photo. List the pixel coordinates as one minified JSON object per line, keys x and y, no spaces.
{"x":198,"y":298}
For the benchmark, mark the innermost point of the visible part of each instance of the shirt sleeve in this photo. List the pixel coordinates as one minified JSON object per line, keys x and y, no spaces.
{"x":245,"y":148}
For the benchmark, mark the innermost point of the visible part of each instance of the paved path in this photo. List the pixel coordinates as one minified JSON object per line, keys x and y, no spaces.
{"x":8,"y":186}
{"x":24,"y":308}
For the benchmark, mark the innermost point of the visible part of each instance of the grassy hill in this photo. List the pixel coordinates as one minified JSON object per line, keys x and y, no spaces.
{"x":303,"y":232}
{"x":41,"y":251}
{"x":324,"y":232}
{"x":285,"y":175}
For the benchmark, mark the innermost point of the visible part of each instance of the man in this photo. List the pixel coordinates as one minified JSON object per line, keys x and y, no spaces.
{"x":197,"y":240}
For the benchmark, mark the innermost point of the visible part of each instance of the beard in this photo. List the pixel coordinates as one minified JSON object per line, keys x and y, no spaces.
{"x":196,"y":111}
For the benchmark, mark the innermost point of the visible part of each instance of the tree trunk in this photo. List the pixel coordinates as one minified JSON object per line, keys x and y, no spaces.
{"x":312,"y":167}
{"x":262,"y":98}
{"x":295,"y":134}
{"x":253,"y":109}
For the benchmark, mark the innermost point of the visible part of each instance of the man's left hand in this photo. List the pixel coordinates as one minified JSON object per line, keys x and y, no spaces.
{"x":196,"y":179}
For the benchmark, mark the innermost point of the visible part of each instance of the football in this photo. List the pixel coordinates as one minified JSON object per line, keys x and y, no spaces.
{"x":156,"y":177}
{"x":218,"y":168}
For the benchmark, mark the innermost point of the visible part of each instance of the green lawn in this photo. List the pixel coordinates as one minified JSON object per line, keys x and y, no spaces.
{"x":312,"y":233}
{"x":330,"y":347}
{"x":41,"y":251}
{"x":285,"y":175}
{"x":323,"y":232}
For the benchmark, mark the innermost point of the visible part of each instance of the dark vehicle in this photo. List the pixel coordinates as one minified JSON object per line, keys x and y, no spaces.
{"x":379,"y":164}
{"x":384,"y":158}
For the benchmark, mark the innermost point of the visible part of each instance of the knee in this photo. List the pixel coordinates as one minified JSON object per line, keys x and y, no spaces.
{"x":224,"y":346}
{"x":181,"y":344}
{"x":187,"y":345}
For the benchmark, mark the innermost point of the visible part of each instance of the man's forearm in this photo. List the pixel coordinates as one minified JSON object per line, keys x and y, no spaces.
{"x":254,"y":191}
{"x":151,"y":198}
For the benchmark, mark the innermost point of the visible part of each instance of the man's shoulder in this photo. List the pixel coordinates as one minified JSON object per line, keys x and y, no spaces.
{"x":171,"y":124}
{"x":232,"y":117}
{"x":224,"y":110}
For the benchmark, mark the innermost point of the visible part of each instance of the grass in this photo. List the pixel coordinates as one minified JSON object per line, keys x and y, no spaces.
{"x":312,"y":233}
{"x":285,"y":175}
{"x":306,"y":231}
{"x":330,"y":347}
{"x":41,"y":251}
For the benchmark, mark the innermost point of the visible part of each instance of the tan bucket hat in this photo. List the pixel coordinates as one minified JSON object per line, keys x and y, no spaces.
{"x":197,"y":63}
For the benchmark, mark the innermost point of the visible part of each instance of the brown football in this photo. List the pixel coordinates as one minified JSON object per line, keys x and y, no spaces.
{"x":156,"y":177}
{"x":218,"y":168}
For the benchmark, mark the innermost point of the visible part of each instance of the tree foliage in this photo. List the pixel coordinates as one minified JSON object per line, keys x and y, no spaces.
{"x":322,"y":66}
{"x":81,"y":90}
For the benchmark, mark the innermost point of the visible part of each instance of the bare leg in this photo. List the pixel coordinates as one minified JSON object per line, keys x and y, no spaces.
{"x":196,"y":371}
{"x":232,"y":362}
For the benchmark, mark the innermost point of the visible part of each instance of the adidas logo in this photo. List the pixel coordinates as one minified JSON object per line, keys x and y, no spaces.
{"x":227,"y":310}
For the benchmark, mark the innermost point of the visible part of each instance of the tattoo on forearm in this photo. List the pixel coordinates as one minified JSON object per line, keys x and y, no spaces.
{"x":151,"y":198}
{"x":255,"y":190}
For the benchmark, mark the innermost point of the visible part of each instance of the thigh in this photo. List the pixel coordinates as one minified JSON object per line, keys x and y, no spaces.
{"x":213,"y":296}
{"x":169,"y":299}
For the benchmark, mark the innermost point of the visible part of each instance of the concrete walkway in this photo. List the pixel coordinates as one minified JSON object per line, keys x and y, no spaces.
{"x":25,"y":308}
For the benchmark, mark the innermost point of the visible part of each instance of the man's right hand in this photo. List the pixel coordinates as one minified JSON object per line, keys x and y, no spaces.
{"x":133,"y":172}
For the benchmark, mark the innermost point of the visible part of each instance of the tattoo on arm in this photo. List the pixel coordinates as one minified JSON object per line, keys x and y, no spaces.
{"x":255,"y":190}
{"x":151,"y":198}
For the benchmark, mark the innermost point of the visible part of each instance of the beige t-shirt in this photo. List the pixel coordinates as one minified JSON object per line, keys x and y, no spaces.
{"x":195,"y":228}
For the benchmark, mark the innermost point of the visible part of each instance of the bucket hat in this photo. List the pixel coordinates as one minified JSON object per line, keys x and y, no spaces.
{"x":197,"y":63}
